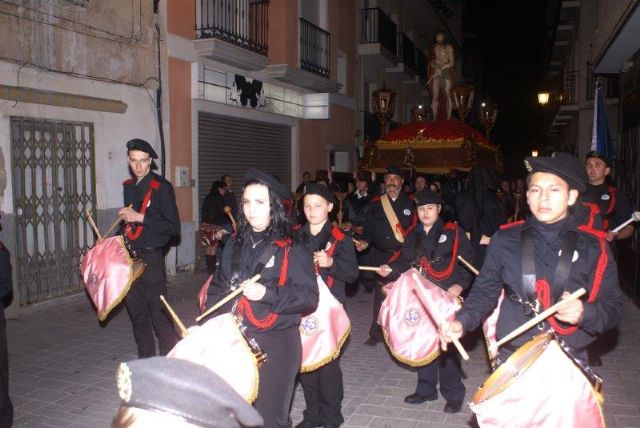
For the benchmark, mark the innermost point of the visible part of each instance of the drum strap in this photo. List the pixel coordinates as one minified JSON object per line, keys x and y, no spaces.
{"x":425,"y":265}
{"x":563,"y":268}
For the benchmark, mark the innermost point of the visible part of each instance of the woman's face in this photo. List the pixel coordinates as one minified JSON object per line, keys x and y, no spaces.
{"x":256,"y":207}
{"x":317,"y":209}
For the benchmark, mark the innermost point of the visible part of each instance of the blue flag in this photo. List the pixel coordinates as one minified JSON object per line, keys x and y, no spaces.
{"x":601,"y":137}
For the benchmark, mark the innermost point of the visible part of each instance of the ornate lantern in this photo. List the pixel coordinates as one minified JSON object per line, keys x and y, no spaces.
{"x":383,"y":104}
{"x":463,"y":100}
{"x":488,"y":115}
{"x":543,"y":98}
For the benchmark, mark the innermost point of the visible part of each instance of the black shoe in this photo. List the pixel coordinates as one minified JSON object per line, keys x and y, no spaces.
{"x":595,"y":361}
{"x":453,"y":406}
{"x":305,"y":424}
{"x":416,"y":398}
{"x":371,"y":341}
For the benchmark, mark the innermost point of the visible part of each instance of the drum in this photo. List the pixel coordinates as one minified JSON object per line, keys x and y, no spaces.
{"x":538,"y":386}
{"x":405,"y":317}
{"x":489,"y":329}
{"x":108,"y":272}
{"x":324,"y":331}
{"x":221,"y":346}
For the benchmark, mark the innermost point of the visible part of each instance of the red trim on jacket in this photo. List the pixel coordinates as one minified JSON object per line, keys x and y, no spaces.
{"x":446,"y":273}
{"x":133,"y":235}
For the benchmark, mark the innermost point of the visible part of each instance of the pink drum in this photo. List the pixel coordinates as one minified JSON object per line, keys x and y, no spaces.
{"x":489,"y":329}
{"x":538,"y":386}
{"x":406,"y":318}
{"x":108,"y":272}
{"x":220,"y":346}
{"x":324,"y":331}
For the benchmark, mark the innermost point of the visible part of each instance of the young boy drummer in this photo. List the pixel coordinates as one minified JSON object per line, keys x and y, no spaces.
{"x":334,"y":258}
{"x":538,"y":262}
{"x":435,"y":247}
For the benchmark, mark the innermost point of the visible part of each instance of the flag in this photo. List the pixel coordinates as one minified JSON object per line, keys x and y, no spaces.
{"x":601,"y":136}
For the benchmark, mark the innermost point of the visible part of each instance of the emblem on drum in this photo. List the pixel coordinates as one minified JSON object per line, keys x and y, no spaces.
{"x":92,"y":282}
{"x":412,"y":316}
{"x":309,"y":325}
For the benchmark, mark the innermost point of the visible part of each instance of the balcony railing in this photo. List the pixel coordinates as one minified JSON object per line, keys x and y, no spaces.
{"x":240,"y":22}
{"x":568,"y":89}
{"x":610,"y":84}
{"x":315,"y":48}
{"x":406,"y":50}
{"x":377,"y":27}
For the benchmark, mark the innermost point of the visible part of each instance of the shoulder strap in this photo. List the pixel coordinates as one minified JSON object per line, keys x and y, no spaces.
{"x":528,"y":264}
{"x":392,"y":218}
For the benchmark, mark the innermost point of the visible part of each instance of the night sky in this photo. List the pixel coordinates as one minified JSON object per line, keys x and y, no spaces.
{"x":511,"y":35}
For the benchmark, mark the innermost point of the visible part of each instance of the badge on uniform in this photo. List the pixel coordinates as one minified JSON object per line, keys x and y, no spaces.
{"x":442,"y":238}
{"x":271,"y":262}
{"x":605,"y":197}
{"x":573,"y":259}
{"x":407,"y":211}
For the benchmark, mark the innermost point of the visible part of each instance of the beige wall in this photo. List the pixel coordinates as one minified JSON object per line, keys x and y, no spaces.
{"x":108,"y":40}
{"x":180,"y":131}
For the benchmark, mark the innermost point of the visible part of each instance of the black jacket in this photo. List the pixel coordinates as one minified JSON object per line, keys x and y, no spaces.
{"x":339,"y":246}
{"x":161,"y":220}
{"x":502,"y":268}
{"x":213,"y":209}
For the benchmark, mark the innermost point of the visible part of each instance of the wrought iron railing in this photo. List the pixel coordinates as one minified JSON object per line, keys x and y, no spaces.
{"x":240,"y":22}
{"x":377,"y":27}
{"x":568,"y":89}
{"x":315,"y":48}
{"x":406,"y":50}
{"x":610,"y":84}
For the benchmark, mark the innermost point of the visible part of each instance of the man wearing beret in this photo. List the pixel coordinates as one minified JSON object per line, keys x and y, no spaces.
{"x":151,"y":221}
{"x":435,"y":246}
{"x":390,"y":219}
{"x":614,"y":207}
{"x":540,"y":261}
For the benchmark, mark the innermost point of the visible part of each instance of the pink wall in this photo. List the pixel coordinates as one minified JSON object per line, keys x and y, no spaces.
{"x":283,"y":32}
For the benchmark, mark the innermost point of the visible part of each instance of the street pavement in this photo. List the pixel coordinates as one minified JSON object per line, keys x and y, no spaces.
{"x":63,"y":362}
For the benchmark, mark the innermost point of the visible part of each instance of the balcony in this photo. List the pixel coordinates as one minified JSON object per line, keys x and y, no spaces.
{"x":378,"y":43}
{"x":315,"y":58}
{"x":610,"y":84}
{"x":233,"y":32}
{"x":404,"y":72}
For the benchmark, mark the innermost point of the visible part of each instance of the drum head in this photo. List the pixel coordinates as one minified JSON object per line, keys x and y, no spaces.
{"x":509,"y":371}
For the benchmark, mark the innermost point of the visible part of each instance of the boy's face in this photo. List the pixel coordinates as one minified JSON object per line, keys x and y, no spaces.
{"x":549,"y":197}
{"x":428,"y":214}
{"x":597,"y":170}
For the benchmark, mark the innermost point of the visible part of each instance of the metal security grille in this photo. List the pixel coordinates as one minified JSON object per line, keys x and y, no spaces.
{"x":53,"y":182}
{"x":229,"y":145}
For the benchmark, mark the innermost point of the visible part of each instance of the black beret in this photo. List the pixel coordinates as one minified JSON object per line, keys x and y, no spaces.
{"x":143,"y":146}
{"x":598,"y":155}
{"x":395,"y":170}
{"x":184,"y":389}
{"x":319,"y":189}
{"x":363,"y":176}
{"x":268,"y":180}
{"x":564,"y":165}
{"x":428,"y":196}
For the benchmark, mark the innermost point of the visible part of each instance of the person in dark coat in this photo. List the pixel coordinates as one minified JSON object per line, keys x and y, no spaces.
{"x":384,"y":233}
{"x":334,"y":257}
{"x":151,"y":221}
{"x":6,"y":288}
{"x":434,"y":246}
{"x":540,"y":261}
{"x":271,"y":308}
{"x":214,"y":222}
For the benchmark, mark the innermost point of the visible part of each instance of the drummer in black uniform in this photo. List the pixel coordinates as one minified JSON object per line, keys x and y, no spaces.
{"x":385,"y":230}
{"x":434,"y":248}
{"x":540,"y":261}
{"x":335,"y":261}
{"x":614,"y":207}
{"x":271,"y":308}
{"x":151,"y":221}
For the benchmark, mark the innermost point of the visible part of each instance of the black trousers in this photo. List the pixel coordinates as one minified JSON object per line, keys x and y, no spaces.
{"x":375,"y":331}
{"x":278,"y":375}
{"x":446,"y":369}
{"x":145,"y":309}
{"x":6,"y":407}
{"x":323,"y":393}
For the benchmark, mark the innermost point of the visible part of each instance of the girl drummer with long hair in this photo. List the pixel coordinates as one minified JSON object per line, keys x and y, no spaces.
{"x":270,"y":308}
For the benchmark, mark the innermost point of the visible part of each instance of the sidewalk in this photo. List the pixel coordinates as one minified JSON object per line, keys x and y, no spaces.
{"x":62,"y":369}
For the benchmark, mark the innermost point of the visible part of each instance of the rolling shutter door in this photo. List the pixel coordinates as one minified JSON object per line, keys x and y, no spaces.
{"x":229,"y":145}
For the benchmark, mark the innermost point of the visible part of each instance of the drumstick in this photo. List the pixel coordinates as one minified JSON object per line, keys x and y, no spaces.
{"x":174,"y":316}
{"x":540,"y":317}
{"x":228,"y":297}
{"x":373,"y":268}
{"x":468,"y":265}
{"x":437,"y":318}
{"x":115,"y":223}
{"x":634,"y":217}
{"x":93,"y":224}
{"x":228,"y":212}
